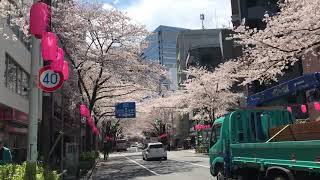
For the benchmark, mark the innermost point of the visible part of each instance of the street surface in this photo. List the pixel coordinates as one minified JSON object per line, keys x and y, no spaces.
{"x":184,"y":165}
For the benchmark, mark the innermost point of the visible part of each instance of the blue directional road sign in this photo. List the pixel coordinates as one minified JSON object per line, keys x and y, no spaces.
{"x":126,"y":110}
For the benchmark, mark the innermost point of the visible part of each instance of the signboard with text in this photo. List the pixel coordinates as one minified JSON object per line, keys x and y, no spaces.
{"x":49,"y":81}
{"x":126,"y":110}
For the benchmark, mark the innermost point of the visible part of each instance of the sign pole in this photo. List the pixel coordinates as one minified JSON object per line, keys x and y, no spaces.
{"x":33,"y":111}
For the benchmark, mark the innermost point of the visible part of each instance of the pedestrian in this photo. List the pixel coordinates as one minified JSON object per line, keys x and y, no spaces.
{"x":107,"y":144}
{"x":5,"y":154}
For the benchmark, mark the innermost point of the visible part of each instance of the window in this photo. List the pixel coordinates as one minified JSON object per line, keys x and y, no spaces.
{"x":16,"y":78}
{"x":215,"y":134}
{"x":252,"y":3}
{"x":156,"y":146}
{"x":234,"y":7}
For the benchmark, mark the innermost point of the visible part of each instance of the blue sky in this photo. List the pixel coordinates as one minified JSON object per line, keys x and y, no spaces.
{"x":178,"y":13}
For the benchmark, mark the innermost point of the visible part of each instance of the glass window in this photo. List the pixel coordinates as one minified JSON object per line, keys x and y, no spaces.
{"x":11,"y":75}
{"x":215,"y":134}
{"x":16,"y":79}
{"x":25,"y":83}
{"x":252,"y":3}
{"x":19,"y":81}
{"x":156,"y":146}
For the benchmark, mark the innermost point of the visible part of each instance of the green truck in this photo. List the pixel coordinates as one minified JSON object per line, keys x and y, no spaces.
{"x":241,"y":147}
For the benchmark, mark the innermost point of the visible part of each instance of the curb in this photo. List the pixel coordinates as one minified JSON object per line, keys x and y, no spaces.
{"x":90,"y":172}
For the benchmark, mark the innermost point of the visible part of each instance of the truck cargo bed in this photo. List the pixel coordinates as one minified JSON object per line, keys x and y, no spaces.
{"x":297,"y":132}
{"x":298,"y":155}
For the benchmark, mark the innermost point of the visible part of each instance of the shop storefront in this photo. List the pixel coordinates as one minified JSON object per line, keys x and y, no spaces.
{"x":14,"y":126}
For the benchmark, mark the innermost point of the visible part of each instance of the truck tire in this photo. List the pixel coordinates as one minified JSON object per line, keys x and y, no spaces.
{"x":220,"y":173}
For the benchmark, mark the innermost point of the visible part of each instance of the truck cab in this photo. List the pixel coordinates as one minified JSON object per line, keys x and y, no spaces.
{"x":240,"y":147}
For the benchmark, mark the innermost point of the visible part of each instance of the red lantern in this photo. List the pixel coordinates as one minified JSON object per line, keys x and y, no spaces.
{"x":289,"y":109}
{"x":49,"y":46}
{"x":317,"y":106}
{"x":65,"y":70}
{"x":57,"y":65}
{"x":303,"y":108}
{"x":39,"y":19}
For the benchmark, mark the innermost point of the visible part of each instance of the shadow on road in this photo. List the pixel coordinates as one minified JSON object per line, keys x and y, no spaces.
{"x":120,"y":168}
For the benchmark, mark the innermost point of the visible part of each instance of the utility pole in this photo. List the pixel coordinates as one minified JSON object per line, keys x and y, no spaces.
{"x":32,"y":151}
{"x":62,"y":132}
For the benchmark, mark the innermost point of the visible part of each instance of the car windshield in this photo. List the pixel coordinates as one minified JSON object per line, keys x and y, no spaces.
{"x":155,"y":146}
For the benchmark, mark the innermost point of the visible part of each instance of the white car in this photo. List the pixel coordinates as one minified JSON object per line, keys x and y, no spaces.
{"x":154,"y":151}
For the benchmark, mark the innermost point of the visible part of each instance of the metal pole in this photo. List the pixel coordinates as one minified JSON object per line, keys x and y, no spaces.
{"x":62,"y":133}
{"x":33,"y":111}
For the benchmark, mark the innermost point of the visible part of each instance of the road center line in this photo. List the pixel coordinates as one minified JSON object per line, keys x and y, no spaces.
{"x":142,"y":166}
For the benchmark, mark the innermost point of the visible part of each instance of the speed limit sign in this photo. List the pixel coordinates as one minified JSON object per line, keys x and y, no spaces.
{"x":49,"y":81}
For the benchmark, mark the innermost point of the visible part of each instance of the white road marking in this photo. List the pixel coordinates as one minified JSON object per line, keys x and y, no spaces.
{"x":142,"y":166}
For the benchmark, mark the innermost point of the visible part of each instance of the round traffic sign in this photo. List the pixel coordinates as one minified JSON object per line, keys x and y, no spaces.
{"x":49,"y":81}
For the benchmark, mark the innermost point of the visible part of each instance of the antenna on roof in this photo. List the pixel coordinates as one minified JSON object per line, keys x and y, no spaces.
{"x":202,"y":19}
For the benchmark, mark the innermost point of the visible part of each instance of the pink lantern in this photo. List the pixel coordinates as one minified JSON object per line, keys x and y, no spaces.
{"x":39,"y":19}
{"x":196,"y":127}
{"x":289,"y":109}
{"x":317,"y":106}
{"x":57,"y":65}
{"x":303,"y":108}
{"x":49,"y":46}
{"x":84,"y":111}
{"x":65,"y":70}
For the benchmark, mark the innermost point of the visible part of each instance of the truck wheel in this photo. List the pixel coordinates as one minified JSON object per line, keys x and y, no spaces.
{"x":220,"y":174}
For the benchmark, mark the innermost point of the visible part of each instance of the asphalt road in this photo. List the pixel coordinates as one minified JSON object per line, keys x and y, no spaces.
{"x":184,"y":165}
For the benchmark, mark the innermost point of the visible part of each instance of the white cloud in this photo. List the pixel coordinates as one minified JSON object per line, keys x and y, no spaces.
{"x":115,"y":1}
{"x":181,"y":13}
{"x":108,"y":6}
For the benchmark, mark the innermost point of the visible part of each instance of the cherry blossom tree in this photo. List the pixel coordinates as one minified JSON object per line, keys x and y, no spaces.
{"x":289,"y":35}
{"x":105,"y":47}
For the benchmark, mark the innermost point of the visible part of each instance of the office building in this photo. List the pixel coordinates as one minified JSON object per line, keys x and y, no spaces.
{"x":162,"y":49}
{"x":205,"y":48}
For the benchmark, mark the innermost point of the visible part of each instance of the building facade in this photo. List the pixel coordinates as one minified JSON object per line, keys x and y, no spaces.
{"x":162,"y":50}
{"x":205,"y":48}
{"x":252,"y":11}
{"x":15,"y":59}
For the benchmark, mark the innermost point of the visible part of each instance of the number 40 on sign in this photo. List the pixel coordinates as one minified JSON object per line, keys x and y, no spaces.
{"x":50,"y":81}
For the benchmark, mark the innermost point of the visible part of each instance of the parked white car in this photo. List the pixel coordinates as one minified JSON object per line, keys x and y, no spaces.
{"x":154,"y":151}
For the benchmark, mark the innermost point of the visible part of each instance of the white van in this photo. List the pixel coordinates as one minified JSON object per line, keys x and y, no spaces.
{"x":154,"y":151}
